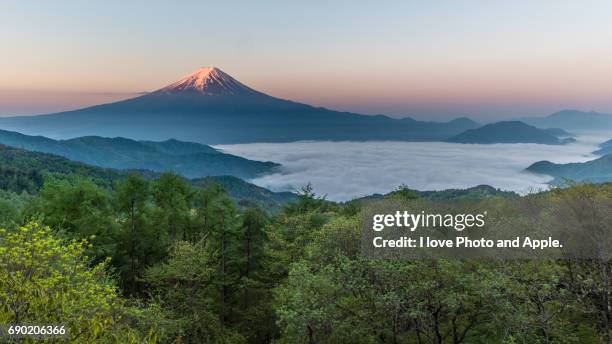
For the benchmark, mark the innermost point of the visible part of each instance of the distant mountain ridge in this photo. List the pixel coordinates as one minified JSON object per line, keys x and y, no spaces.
{"x":573,"y":120}
{"x":604,"y":148}
{"x":209,"y":106}
{"x":595,"y":171}
{"x":192,"y":160}
{"x":558,"y":132}
{"x":508,"y":132}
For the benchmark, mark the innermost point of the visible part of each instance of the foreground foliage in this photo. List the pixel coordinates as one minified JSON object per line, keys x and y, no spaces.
{"x":177,"y":264}
{"x":44,"y":280}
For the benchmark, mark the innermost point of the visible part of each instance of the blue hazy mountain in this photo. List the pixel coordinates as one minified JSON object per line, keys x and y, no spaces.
{"x":209,"y":106}
{"x":596,"y":171}
{"x":508,"y":132}
{"x":189,"y":159}
{"x":558,"y":132}
{"x":573,"y":120}
{"x":604,"y":148}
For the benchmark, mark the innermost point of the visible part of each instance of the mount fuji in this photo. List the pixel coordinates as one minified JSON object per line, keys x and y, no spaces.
{"x":209,"y":106}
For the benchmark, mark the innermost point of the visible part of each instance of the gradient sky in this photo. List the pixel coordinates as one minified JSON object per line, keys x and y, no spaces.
{"x":425,"y":59}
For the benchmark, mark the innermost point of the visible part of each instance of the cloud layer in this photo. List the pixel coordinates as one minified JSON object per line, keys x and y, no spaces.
{"x":346,"y":170}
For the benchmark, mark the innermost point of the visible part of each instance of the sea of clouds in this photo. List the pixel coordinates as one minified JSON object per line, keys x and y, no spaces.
{"x":346,"y":170}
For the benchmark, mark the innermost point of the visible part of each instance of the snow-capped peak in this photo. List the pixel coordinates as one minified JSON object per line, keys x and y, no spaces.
{"x":208,"y":81}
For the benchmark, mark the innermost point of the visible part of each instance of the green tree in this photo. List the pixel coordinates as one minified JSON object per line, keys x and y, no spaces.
{"x":140,"y":243}
{"x":586,"y":211}
{"x":333,"y":295}
{"x":223,"y":241}
{"x":404,"y":193}
{"x":82,"y":209}
{"x":256,"y":313}
{"x":186,"y":288}
{"x":44,"y":280}
{"x":205,"y":203}
{"x":173,"y":197}
{"x":307,"y":201}
{"x":12,"y":207}
{"x":254,"y":238}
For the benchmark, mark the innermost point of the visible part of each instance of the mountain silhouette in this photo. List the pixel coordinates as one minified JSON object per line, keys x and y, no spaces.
{"x":509,"y":132}
{"x":210,"y":106}
{"x":594,"y":171}
{"x":573,"y":120}
{"x":604,"y":148}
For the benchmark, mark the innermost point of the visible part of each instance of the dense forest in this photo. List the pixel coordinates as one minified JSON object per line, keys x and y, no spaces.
{"x":131,"y":258}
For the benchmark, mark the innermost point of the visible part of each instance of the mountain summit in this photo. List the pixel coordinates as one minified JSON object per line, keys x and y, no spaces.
{"x":209,"y":106}
{"x":210,"y":81}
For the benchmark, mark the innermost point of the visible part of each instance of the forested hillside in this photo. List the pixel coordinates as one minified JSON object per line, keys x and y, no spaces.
{"x":473,"y":193}
{"x":24,"y":171}
{"x":160,"y":261}
{"x":189,"y":159}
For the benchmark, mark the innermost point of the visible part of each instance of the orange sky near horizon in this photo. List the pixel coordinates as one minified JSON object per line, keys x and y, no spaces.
{"x":430,"y":61}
